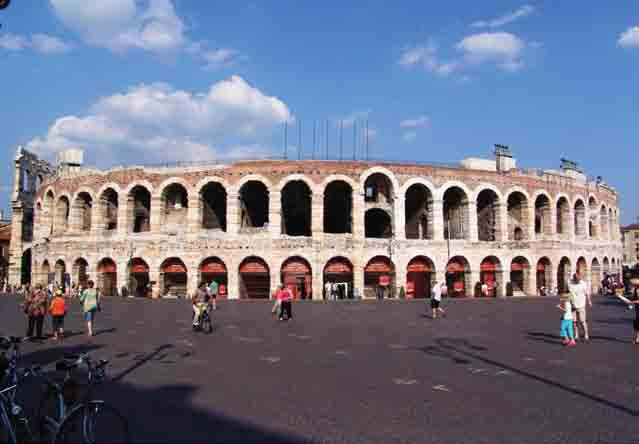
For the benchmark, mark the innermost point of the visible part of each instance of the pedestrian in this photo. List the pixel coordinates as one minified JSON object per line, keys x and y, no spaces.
{"x":484,"y":289}
{"x":277,"y":305}
{"x":635,"y":323}
{"x":287,"y":303}
{"x":436,"y":300}
{"x":566,"y":330}
{"x":444,"y":289}
{"x":199,"y":302}
{"x":214,"y":289}
{"x":58,"y":310}
{"x":328,"y":291}
{"x":90,"y":299}
{"x":580,"y":296}
{"x":35,"y":307}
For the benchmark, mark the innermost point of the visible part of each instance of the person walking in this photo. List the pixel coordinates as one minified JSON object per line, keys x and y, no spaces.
{"x":580,"y":297}
{"x":35,"y":307}
{"x":58,"y":310}
{"x":286,"y":297}
{"x":635,"y":323}
{"x":566,"y":330}
{"x":214,"y":289}
{"x":90,"y":299}
{"x":200,"y":302}
{"x":436,"y":300}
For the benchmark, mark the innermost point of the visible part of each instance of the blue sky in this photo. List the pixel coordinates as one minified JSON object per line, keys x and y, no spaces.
{"x":144,"y":81}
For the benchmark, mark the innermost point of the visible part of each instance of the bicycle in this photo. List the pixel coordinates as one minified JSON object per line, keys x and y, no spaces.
{"x":15,"y":424}
{"x":205,"y":323}
{"x":67,"y":417}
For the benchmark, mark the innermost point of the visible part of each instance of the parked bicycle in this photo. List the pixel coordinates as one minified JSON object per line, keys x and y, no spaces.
{"x":69,"y":413}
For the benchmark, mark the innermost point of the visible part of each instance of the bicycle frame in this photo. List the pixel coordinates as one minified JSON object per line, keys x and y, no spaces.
{"x":4,"y":415}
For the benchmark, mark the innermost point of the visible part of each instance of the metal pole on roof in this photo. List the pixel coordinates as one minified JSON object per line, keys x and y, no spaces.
{"x":314,"y":140}
{"x":355,"y":140}
{"x":341,"y":138}
{"x":366,"y":139}
{"x":299,"y":142}
{"x":327,"y":139}
{"x":285,"y":139}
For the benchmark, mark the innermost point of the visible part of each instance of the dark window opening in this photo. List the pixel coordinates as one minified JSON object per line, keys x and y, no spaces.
{"x":378,"y":224}
{"x":487,"y":216}
{"x":378,"y":188}
{"x":175,"y":202}
{"x":84,"y":205}
{"x":517,"y":216}
{"x":542,"y":215}
{"x":419,"y":213}
{"x":338,"y":208}
{"x":254,"y":206}
{"x":141,"y":201}
{"x":455,"y":214}
{"x":109,"y":203}
{"x":214,"y":207}
{"x":296,"y":209}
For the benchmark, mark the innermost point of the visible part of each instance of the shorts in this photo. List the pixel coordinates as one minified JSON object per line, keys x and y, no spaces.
{"x":89,"y":315}
{"x":635,"y":323}
{"x":434,"y":304}
{"x":566,"y":330}
{"x":581,"y":314}
{"x":57,"y":322}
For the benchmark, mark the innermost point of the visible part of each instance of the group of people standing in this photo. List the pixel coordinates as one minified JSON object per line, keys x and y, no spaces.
{"x":40,"y":302}
{"x":205,"y":298}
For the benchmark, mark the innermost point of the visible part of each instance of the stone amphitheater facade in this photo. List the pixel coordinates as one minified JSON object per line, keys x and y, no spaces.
{"x":383,"y":227}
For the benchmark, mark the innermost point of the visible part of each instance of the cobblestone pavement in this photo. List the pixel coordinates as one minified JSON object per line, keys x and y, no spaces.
{"x":492,"y":372}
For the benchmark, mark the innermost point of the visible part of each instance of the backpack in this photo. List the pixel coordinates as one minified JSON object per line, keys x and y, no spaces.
{"x":57,"y":307}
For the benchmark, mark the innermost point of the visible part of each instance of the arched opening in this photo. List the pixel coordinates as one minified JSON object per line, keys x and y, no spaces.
{"x":458,"y":277}
{"x":296,"y":209}
{"x":254,"y":204}
{"x":175,"y":205}
{"x":338,"y":279}
{"x":173,"y":278}
{"x":80,"y":272}
{"x":517,"y":216}
{"x":419,"y":212}
{"x":214,"y":269}
{"x":84,"y":210}
{"x":109,"y":209}
{"x":45,"y":273}
{"x":25,"y":278}
{"x":543,"y":212}
{"x":62,"y":215}
{"x":27,"y":224}
{"x":519,"y":276}
{"x":582,"y":268}
{"x":338,"y":208}
{"x":611,"y":224}
{"x":563,"y":275}
{"x":379,"y":278}
{"x":456,"y":217}
{"x":593,"y":223}
{"x":491,"y":274}
{"x":378,"y":190}
{"x":378,"y":224}
{"x":595,"y":276}
{"x":420,"y":276}
{"x":140,"y":203}
{"x":544,"y":276}
{"x":48,"y":211}
{"x":61,"y":276}
{"x":213,"y":197}
{"x":563,"y":218}
{"x":488,"y":216}
{"x":580,"y":219}
{"x":255,"y":280}
{"x":606,"y":266}
{"x":603,"y":223}
{"x":297,"y":276}
{"x":107,"y":277}
{"x":139,"y":282}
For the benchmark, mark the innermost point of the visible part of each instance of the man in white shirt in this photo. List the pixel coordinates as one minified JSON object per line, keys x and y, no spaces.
{"x":580,"y":296}
{"x":435,"y":300}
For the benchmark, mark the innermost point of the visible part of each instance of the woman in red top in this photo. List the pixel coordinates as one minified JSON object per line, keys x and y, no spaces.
{"x":286,"y":297}
{"x":35,"y":307}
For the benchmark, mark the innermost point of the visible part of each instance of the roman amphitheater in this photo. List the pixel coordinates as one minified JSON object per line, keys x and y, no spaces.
{"x":375,"y":228}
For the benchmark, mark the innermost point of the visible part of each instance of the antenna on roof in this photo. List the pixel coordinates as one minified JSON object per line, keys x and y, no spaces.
{"x":286,"y":139}
{"x":366,"y":139}
{"x":341,"y":138}
{"x":327,"y":139}
{"x":314,"y":139}
{"x":355,"y":140}
{"x":299,"y":142}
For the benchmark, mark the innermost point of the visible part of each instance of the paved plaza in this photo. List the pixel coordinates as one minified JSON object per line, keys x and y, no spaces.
{"x":492,"y":372}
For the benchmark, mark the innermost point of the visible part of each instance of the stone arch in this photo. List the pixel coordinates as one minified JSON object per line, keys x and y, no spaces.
{"x":520,"y":278}
{"x":543,"y":214}
{"x":580,"y":218}
{"x":173,"y":278}
{"x":545,"y":278}
{"x":107,"y":276}
{"x":564,"y":272}
{"x":80,"y":271}
{"x":338,"y":278}
{"x":491,"y":273}
{"x":379,"y":277}
{"x":380,"y":190}
{"x":296,"y":274}
{"x":254,"y":178}
{"x":458,"y":277}
{"x":378,"y":224}
{"x":139,"y":183}
{"x":338,"y":206}
{"x":213,"y":268}
{"x":254,"y":199}
{"x":593,"y":217}
{"x":83,"y":207}
{"x":296,"y":203}
{"x":582,"y":268}
{"x":488,"y":214}
{"x":364,"y":176}
{"x":139,"y":208}
{"x":420,"y":277}
{"x":174,"y":198}
{"x":60,"y":268}
{"x":139,"y":284}
{"x":563,"y":216}
{"x":603,"y":222}
{"x":254,"y":278}
{"x":108,"y":207}
{"x":45,"y":269}
{"x":62,"y":214}
{"x":518,"y":202}
{"x":456,"y":212}
{"x":419,"y":212}
{"x":418,"y":181}
{"x":213,"y":202}
{"x":595,"y":276}
{"x":312,"y":186}
{"x":161,"y":189}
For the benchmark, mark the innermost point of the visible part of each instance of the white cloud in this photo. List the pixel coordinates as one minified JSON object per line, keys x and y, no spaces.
{"x":119,"y":25}
{"x":629,"y":38}
{"x":156,"y":122}
{"x":503,"y":48}
{"x":520,"y":13}
{"x":419,"y":122}
{"x":409,"y":136}
{"x":43,"y":43}
{"x":47,"y":44}
{"x":426,"y":57}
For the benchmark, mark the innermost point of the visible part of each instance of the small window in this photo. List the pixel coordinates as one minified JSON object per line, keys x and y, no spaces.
{"x":371,"y":194}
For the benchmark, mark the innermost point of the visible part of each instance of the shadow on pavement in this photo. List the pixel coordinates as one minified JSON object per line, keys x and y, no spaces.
{"x":162,"y":414}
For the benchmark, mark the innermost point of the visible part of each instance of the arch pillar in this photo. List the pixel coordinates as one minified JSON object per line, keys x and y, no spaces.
{"x":192,"y":281}
{"x":233,"y":278}
{"x":317,"y":216}
{"x":474,"y":278}
{"x":531,"y":222}
{"x":401,"y":276}
{"x":275,"y":214}
{"x":358,"y":220}
{"x":358,"y":277}
{"x":473,"y":232}
{"x":125,"y":214}
{"x":438,"y":221}
{"x":399,"y":219}
{"x":232,"y":217}
{"x":276,"y":279}
{"x":156,"y":214}
{"x":154,"y":276}
{"x":317,"y":280}
{"x":194,"y":214}
{"x":98,"y":224}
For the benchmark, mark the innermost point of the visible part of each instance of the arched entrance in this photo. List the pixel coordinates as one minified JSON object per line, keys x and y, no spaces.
{"x":45,"y":273}
{"x":296,"y":275}
{"x":458,"y":279}
{"x":491,"y":274}
{"x":582,"y":268}
{"x":61,"y":276}
{"x":213,"y":269}
{"x":26,"y":267}
{"x":80,"y":276}
{"x":379,"y":278}
{"x":173,"y":278}
{"x":419,"y":278}
{"x":519,"y":276}
{"x":338,"y":273}
{"x":544,"y":276}
{"x":139,"y":282}
{"x":255,"y":280}
{"x":596,"y":278}
{"x":107,"y":277}
{"x":563,"y":275}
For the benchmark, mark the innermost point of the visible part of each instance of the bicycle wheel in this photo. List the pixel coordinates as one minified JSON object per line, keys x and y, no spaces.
{"x":92,"y":423}
{"x":50,"y":411}
{"x":207,"y":325}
